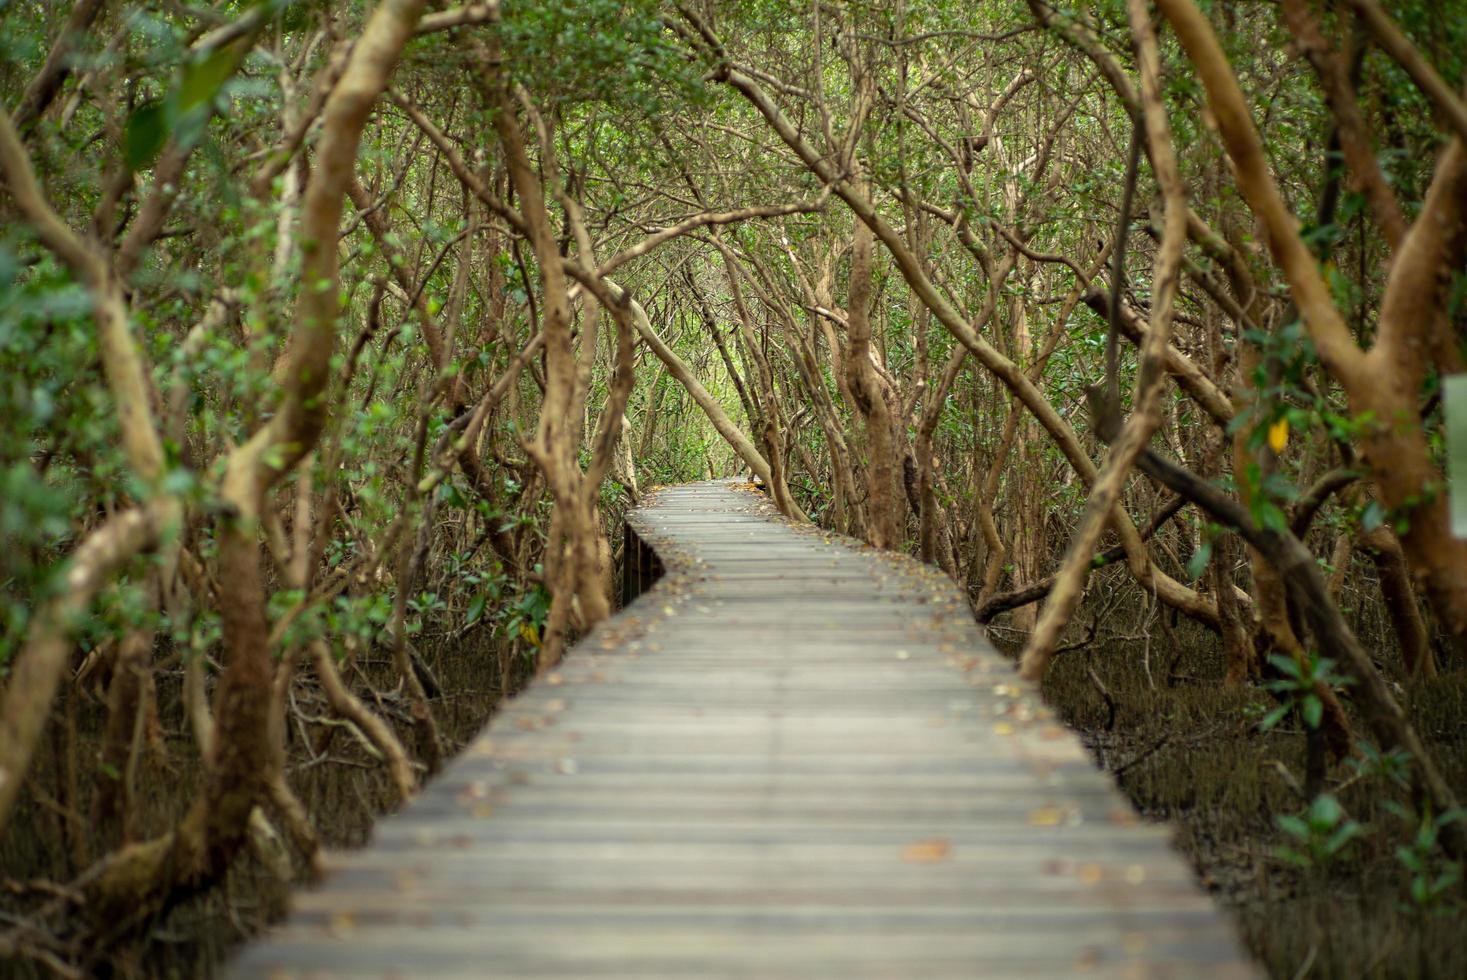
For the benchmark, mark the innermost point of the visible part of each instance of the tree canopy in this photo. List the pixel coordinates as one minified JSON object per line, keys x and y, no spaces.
{"x":335,"y":338}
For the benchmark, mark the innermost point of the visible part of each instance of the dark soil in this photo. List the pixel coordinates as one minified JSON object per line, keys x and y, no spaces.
{"x":343,"y":788}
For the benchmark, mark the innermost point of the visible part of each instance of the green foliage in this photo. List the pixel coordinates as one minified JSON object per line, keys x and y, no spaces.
{"x":184,"y":110}
{"x":56,"y":413}
{"x":361,"y":616}
{"x":526,"y":615}
{"x":1391,"y":767}
{"x":611,"y":51}
{"x":424,"y":607}
{"x":1432,"y":877}
{"x":1318,"y":836}
{"x":1298,"y":687}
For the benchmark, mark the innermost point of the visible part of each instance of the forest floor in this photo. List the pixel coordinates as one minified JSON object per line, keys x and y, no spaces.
{"x":1188,"y":751}
{"x":344,"y":788}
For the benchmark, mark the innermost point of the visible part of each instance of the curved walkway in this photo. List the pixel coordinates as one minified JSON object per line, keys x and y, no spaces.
{"x":794,"y":757}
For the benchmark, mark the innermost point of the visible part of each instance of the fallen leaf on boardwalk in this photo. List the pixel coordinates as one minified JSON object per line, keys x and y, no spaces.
{"x":555,"y":704}
{"x":554,"y":680}
{"x":1046,"y":816}
{"x":1003,"y":728}
{"x":342,"y":923}
{"x":927,"y":851}
{"x":1091,"y":874}
{"x":566,"y":767}
{"x":1123,"y":817}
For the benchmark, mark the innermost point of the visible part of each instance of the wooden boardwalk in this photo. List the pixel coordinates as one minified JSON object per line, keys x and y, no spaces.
{"x":793,"y":758}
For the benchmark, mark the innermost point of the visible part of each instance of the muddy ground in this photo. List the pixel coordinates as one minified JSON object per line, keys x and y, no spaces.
{"x":1190,"y":752}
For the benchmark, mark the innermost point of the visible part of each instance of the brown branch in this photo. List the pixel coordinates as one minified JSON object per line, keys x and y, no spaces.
{"x":38,"y":666}
{"x":1014,"y":598}
{"x":1350,"y":122}
{"x":1314,"y":498}
{"x":469,"y":15}
{"x":1190,"y":378}
{"x":704,"y":220}
{"x":1008,"y":373}
{"x":1131,"y":437}
{"x":1404,"y":53}
{"x":1308,"y":589}
{"x":46,"y":85}
{"x":1331,"y":335}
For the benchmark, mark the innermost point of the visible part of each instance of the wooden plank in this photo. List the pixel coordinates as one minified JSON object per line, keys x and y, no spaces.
{"x":793,"y":756}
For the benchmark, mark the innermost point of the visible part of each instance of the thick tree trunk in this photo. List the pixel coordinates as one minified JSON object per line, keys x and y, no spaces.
{"x":884,"y":502}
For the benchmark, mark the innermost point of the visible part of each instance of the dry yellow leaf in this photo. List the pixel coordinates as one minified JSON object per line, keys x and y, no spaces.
{"x":1046,"y":816}
{"x":341,"y":924}
{"x":927,"y":851}
{"x":1278,"y":435}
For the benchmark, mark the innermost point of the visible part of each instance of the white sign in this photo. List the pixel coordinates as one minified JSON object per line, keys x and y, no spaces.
{"x":1455,"y":393}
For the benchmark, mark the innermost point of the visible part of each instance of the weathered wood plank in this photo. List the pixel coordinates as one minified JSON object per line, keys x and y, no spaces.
{"x":793,"y":757}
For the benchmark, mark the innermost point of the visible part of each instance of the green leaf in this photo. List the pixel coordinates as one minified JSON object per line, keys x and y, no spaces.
{"x":1294,"y":857}
{"x":1271,"y":517}
{"x":202,"y":80}
{"x":1342,"y":837}
{"x":1197,"y":564}
{"x":1286,"y":665}
{"x":1313,"y":711}
{"x":144,"y":134}
{"x":1273,"y":717}
{"x":1325,"y":811}
{"x":476,"y":610}
{"x":1292,"y":826}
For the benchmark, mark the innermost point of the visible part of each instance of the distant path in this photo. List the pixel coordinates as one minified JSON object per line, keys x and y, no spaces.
{"x":794,"y":758}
